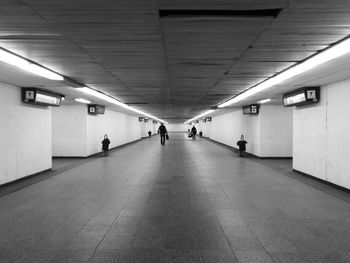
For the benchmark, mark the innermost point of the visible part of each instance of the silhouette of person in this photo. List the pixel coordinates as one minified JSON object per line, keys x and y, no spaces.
{"x":241,"y":146}
{"x":194,"y":132}
{"x":162,"y":131}
{"x":105,"y":145}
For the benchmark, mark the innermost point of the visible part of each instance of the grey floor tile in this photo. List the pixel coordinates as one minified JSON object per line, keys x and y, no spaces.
{"x":103,"y":256}
{"x":84,"y":242}
{"x":182,"y":256}
{"x":115,"y":242}
{"x":217,"y":256}
{"x":37,"y":255}
{"x":333,"y":257}
{"x":243,"y":243}
{"x":9,"y":255}
{"x":253,"y":256}
{"x":186,"y":202}
{"x":179,"y":243}
{"x":146,"y":243}
{"x":72,"y":256}
{"x":278,"y":244}
{"x":295,"y":257}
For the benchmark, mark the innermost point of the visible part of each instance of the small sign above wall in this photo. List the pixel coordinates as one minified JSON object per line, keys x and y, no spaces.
{"x":95,"y":109}
{"x":302,"y":96}
{"x":40,"y":97}
{"x":252,"y":109}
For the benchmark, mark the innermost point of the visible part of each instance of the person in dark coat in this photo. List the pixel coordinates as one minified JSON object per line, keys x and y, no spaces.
{"x":162,"y":131}
{"x":241,"y":146}
{"x":194,"y":132}
{"x":105,"y":145}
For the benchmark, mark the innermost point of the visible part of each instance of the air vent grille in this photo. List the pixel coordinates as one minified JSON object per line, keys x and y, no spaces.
{"x":220,"y":13}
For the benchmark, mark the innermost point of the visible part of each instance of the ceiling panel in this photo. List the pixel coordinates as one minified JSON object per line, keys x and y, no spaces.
{"x":222,"y":4}
{"x":172,"y":67}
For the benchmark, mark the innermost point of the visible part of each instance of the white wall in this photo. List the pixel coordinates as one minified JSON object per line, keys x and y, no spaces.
{"x":205,"y":127}
{"x":338,"y":134}
{"x":227,"y":127}
{"x":252,"y":133}
{"x":119,"y":127}
{"x":25,"y":141}
{"x":145,"y":127}
{"x":276,"y":131}
{"x":176,"y":127}
{"x":321,"y":139}
{"x":268,"y":134}
{"x":69,"y":131}
{"x":152,"y":127}
{"x":142,"y":126}
{"x":76,"y":133}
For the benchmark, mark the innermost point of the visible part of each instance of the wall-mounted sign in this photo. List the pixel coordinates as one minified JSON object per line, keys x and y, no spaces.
{"x":95,"y":109}
{"x":252,"y":109}
{"x":302,"y":96}
{"x":41,"y":97}
{"x":141,"y":119}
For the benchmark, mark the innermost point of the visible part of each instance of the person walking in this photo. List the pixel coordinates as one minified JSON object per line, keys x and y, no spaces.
{"x":241,"y":146}
{"x":194,"y":132}
{"x":105,"y":145}
{"x":162,"y":131}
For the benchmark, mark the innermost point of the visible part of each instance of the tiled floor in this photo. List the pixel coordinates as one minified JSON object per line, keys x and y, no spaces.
{"x":187,"y":201}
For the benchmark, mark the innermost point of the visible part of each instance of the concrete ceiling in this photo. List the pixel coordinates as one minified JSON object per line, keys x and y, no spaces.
{"x":171,"y":58}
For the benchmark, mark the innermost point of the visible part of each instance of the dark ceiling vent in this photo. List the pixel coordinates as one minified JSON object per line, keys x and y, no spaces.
{"x":198,"y":64}
{"x":220,"y":13}
{"x":218,"y":95}
{"x":137,"y":103}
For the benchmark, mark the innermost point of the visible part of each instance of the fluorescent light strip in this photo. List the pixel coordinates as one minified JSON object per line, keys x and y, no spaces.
{"x":331,"y":53}
{"x":43,"y":72}
{"x":295,"y":99}
{"x":114,"y":101}
{"x":47,"y":99}
{"x":199,"y":116}
{"x":26,"y":65}
{"x":83,"y":101}
{"x":264,"y":101}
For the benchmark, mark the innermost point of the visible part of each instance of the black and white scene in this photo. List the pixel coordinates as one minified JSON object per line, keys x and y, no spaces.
{"x":174,"y":131}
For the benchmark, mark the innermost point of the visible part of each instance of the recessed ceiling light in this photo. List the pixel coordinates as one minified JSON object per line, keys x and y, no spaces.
{"x":200,"y":116}
{"x":332,"y":52}
{"x":114,"y":101}
{"x":264,"y":101}
{"x":19,"y":62}
{"x":82,"y":100}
